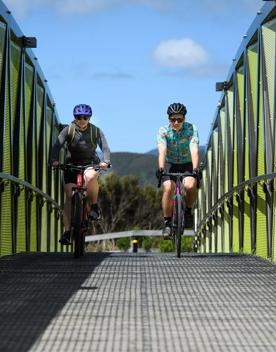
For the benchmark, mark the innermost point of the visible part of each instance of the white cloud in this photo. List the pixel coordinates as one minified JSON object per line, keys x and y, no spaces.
{"x":180,"y":53}
{"x":185,"y":55}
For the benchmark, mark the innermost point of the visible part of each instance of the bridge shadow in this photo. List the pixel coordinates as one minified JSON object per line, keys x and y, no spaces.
{"x":34,"y":288}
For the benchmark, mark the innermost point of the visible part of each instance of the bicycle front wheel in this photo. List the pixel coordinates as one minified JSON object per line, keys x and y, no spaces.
{"x":179,"y":224}
{"x":76,"y":224}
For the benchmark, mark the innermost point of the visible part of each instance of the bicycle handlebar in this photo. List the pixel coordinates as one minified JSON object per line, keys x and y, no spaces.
{"x":180,"y":174}
{"x":175,"y":174}
{"x":96,"y":167}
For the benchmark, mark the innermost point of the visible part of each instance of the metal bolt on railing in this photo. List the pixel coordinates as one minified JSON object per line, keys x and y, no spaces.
{"x":265,"y":188}
{"x":17,"y":189}
{"x":228,"y":203}
{"x":238,"y":197}
{"x":30,"y":195}
{"x":41,"y":201}
{"x":3,"y":184}
{"x":249,"y":192}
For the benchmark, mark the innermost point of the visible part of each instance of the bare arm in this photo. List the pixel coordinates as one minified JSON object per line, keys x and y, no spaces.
{"x":194,"y":148}
{"x":162,"y":151}
{"x":195,"y":157}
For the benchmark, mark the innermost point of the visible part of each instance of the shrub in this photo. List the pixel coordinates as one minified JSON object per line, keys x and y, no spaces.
{"x":166,"y":246}
{"x":156,"y":242}
{"x":123,"y":243}
{"x":187,"y":244}
{"x":147,"y":243}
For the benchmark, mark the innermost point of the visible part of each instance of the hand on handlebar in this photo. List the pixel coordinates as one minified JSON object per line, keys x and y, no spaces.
{"x":97,"y":167}
{"x":159,"y":173}
{"x":104,"y":165}
{"x":55,"y":163}
{"x":198,"y":176}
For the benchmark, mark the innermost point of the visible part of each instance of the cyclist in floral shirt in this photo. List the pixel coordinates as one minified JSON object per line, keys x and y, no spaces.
{"x":178,"y":151}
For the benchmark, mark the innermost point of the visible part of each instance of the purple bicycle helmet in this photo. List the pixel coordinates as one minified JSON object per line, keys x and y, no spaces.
{"x":82,"y":109}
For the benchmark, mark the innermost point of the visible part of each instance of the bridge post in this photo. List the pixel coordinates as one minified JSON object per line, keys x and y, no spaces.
{"x":135,"y":245}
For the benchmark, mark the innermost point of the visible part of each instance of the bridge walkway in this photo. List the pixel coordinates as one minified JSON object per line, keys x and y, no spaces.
{"x":137,"y":302}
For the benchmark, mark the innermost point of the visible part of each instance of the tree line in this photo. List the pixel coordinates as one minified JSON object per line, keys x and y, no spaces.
{"x":126,"y":205}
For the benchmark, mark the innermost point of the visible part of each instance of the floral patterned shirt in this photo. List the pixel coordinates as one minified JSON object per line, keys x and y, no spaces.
{"x":178,"y":144}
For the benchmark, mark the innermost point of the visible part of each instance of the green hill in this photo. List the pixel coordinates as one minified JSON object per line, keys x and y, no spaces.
{"x":141,"y":165}
{"x":202,"y":149}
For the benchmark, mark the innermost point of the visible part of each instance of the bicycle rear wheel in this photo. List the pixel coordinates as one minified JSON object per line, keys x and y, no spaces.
{"x":179,"y":224}
{"x":76,"y":224}
{"x":85,"y":226}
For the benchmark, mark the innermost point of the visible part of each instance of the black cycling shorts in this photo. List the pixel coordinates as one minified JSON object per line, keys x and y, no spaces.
{"x":186,"y":169}
{"x":70,"y":176}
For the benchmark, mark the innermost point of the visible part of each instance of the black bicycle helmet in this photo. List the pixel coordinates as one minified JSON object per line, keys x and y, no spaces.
{"x":177,"y":108}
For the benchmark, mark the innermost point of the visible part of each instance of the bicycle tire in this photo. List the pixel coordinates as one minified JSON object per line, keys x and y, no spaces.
{"x":76,"y":224}
{"x":179,"y":224}
{"x":84,"y":226}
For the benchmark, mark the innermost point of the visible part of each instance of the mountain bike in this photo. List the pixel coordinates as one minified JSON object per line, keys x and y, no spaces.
{"x":79,"y":208}
{"x":178,"y":218}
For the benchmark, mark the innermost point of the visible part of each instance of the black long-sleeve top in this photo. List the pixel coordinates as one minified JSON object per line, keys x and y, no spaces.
{"x":81,"y":149}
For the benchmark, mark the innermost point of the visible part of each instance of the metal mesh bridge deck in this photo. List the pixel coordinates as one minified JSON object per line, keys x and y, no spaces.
{"x":137,"y":302}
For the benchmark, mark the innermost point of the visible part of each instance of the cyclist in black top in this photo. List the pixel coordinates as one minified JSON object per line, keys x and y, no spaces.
{"x":82,"y":139}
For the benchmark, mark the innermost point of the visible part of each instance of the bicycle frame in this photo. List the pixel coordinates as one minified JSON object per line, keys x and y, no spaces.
{"x":81,"y":188}
{"x":177,"y":192}
{"x":178,"y":185}
{"x":79,"y":211}
{"x":178,"y":218}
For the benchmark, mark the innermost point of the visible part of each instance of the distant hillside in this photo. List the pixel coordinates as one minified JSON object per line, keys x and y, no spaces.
{"x":141,"y":165}
{"x":201,"y":152}
{"x":153,"y":152}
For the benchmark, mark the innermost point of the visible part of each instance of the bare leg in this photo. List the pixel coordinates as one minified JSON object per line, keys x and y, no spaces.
{"x":191,"y":191}
{"x":67,"y":206}
{"x":92,"y":185}
{"x":167,"y":198}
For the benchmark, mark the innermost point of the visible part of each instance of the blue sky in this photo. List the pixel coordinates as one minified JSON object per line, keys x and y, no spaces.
{"x":129,"y":59}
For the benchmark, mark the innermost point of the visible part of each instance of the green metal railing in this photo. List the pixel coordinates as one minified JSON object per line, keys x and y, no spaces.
{"x":249,"y":187}
{"x":35,"y":200}
{"x":29,"y":193}
{"x":236,"y":206}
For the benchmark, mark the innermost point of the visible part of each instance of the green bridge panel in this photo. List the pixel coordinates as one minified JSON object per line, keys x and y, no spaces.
{"x":29,"y":194}
{"x":240,"y":216}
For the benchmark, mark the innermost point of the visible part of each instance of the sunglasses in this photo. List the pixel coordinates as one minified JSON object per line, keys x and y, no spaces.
{"x":179,"y":120}
{"x":82,"y":117}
